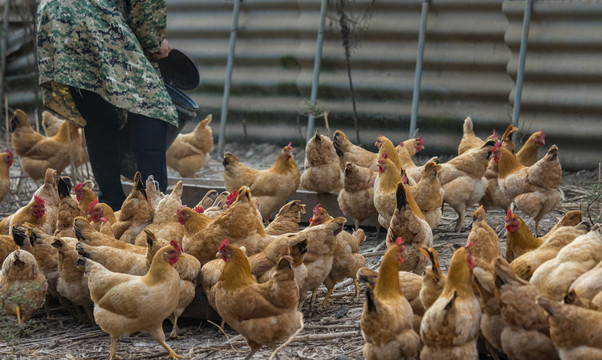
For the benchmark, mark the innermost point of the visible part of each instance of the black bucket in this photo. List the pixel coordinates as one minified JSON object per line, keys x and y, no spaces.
{"x":186,"y":108}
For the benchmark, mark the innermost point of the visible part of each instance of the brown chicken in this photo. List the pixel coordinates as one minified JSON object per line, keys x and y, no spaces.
{"x":486,"y":243}
{"x":165,"y":225}
{"x":125,"y":304}
{"x":527,"y":155}
{"x":385,"y":188}
{"x":433,"y":280}
{"x":84,"y":195}
{"x":5,"y":164}
{"x":492,"y":322}
{"x":347,"y":259}
{"x":72,"y":283}
{"x":407,"y":223}
{"x":538,"y":203}
{"x":194,"y":220}
{"x":264,"y":314}
{"x":386,"y":321}
{"x":190,"y":152}
{"x":68,"y":210}
{"x":385,"y":146}
{"x":554,"y":277}
{"x":188,"y":267}
{"x":463,"y":182}
{"x":450,"y":327}
{"x":515,"y":179}
{"x":136,"y":213}
{"x":287,"y":220}
{"x":571,"y":218}
{"x":589,"y":284}
{"x":526,"y":264}
{"x":49,"y":193}
{"x":101,"y":214}
{"x":272,"y":187}
{"x":7,"y":245}
{"x":527,"y":334}
{"x":428,"y":194}
{"x":50,"y":123}
{"x":413,"y":146}
{"x":354,"y":154}
{"x":22,"y":285}
{"x":263,"y":264}
{"x":356,"y":199}
{"x":519,"y":239}
{"x":37,"y":152}
{"x":322,"y":171}
{"x":34,"y":213}
{"x":239,"y":223}
{"x":85,"y":232}
{"x":576,"y":332}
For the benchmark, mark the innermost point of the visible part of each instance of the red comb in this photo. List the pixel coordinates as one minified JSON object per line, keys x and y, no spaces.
{"x":404,"y":179}
{"x":224,"y":243}
{"x":199,"y":209}
{"x":39,"y":200}
{"x":399,"y":241}
{"x":92,"y":205}
{"x":494,"y":134}
{"x":176,"y":245}
{"x":230,"y":199}
{"x":180,"y":209}
{"x":469,"y":245}
{"x":10,"y":153}
{"x":496,"y":146}
{"x":78,"y":186}
{"x":315,"y":211}
{"x":401,"y":143}
{"x":384,"y":156}
{"x":508,"y":215}
{"x":420,"y":139}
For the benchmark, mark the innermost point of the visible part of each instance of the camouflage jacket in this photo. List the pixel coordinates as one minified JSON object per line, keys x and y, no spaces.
{"x":103,"y":46}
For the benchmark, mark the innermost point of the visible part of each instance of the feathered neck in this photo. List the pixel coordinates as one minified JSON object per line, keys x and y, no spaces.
{"x":391,"y":176}
{"x":523,"y":237}
{"x":387,"y":282}
{"x":507,"y":163}
{"x":196,"y":222}
{"x":158,"y":270}
{"x":237,"y":271}
{"x":459,"y":275}
{"x":283,"y":164}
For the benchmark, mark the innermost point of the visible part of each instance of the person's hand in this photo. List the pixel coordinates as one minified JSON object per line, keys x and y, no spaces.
{"x":164,"y":51}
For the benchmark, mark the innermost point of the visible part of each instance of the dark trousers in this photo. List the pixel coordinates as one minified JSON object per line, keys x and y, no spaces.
{"x":142,"y":141}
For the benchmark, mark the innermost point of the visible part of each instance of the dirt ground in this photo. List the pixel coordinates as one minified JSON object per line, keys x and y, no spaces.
{"x":331,"y":332}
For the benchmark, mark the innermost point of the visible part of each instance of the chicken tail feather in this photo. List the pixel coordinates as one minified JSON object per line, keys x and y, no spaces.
{"x":401,"y":197}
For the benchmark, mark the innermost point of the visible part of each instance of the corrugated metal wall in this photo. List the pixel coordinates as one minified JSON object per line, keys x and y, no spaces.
{"x":470,"y":61}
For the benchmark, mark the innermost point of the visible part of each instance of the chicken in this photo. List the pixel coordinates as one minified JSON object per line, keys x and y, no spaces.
{"x":125,"y":304}
{"x":571,"y":218}
{"x":264,"y":314}
{"x":50,"y":123}
{"x":469,"y":139}
{"x":354,"y":154}
{"x":321,"y":245}
{"x":39,"y":244}
{"x":272,"y":187}
{"x":114,"y":259}
{"x":322,"y":171}
{"x":287,"y":220}
{"x":356,"y":199}
{"x":527,"y":334}
{"x":462,"y":180}
{"x":519,"y":239}
{"x":413,"y":146}
{"x":84,"y":195}
{"x":190,"y":152}
{"x":192,"y":220}
{"x":165,"y":225}
{"x":188,"y":268}
{"x":5,"y":164}
{"x":385,"y":188}
{"x":221,"y":203}
{"x":428,"y":194}
{"x":34,"y":213}
{"x":494,"y":198}
{"x":554,"y":277}
{"x":450,"y":327}
{"x":407,"y":223}
{"x":68,"y":210}
{"x":433,"y":280}
{"x":7,"y":245}
{"x":526,"y":264}
{"x":486,"y":246}
{"x":492,"y":322}
{"x":84,"y":232}
{"x":385,"y":146}
{"x":538,"y":203}
{"x":589,"y":284}
{"x":72,"y":284}
{"x":101,"y":214}
{"x":49,"y":193}
{"x":386,"y":321}
{"x":136,"y":213}
{"x":347,"y":259}
{"x":576,"y":332}
{"x":239,"y":223}
{"x":22,"y":285}
{"x":515,"y":179}
{"x":527,"y":155}
{"x":37,"y":152}
{"x":208,"y":199}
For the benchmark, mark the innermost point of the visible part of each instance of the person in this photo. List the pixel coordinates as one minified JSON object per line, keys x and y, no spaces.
{"x":97,"y":62}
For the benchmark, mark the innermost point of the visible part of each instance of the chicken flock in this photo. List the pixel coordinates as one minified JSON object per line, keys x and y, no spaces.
{"x":131,"y":269}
